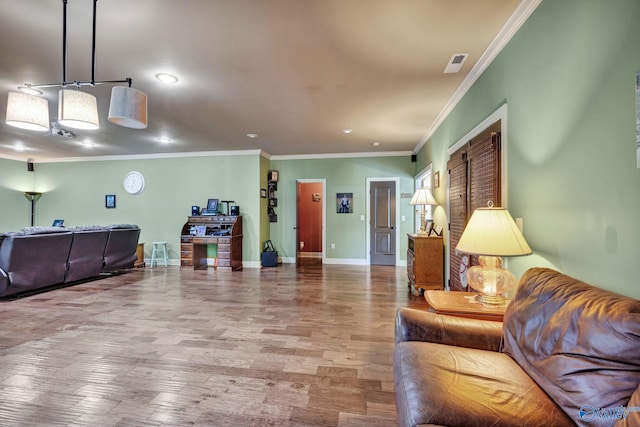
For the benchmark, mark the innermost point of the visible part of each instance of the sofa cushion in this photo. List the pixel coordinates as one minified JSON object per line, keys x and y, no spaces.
{"x":43,"y":230}
{"x":581,"y":344}
{"x":455,"y":386}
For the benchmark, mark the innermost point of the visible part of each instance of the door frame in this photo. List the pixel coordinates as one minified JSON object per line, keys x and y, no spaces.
{"x":395,"y":179}
{"x":322,"y":181}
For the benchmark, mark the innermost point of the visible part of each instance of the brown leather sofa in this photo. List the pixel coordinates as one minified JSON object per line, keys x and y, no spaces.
{"x":567,"y":354}
{"x":39,"y":257}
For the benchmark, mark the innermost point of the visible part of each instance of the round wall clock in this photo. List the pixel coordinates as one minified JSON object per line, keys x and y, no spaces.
{"x":134,"y":182}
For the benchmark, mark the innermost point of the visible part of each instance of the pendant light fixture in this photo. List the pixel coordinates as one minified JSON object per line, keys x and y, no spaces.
{"x":78,"y":109}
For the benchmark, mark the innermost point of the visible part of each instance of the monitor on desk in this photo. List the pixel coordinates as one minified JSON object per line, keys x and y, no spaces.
{"x":212,"y":205}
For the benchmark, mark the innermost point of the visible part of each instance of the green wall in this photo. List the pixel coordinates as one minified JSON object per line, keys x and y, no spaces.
{"x":75,"y":191}
{"x":567,"y":78}
{"x":346,"y":175}
{"x":15,"y":209}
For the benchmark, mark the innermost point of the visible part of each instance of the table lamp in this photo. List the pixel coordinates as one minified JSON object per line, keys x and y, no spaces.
{"x":492,"y":234}
{"x":423,"y":197}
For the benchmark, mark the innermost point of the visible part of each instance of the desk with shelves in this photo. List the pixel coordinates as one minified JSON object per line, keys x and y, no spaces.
{"x":201,"y":231}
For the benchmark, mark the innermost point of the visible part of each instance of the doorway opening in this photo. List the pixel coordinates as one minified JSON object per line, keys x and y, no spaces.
{"x":310,"y":221}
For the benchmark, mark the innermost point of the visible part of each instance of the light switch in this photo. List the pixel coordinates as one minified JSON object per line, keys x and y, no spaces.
{"x":361,"y":217}
{"x":403,"y":218}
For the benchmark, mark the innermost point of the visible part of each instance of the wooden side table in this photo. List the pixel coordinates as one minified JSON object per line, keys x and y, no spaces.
{"x":463,"y":304}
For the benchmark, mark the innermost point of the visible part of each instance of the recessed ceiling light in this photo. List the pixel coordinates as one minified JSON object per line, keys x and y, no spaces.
{"x":29,"y":90}
{"x":166,"y":78}
{"x":164,"y":139}
{"x":87,"y":144}
{"x":347,"y":131}
{"x":252,"y":135}
{"x":376,"y":144}
{"x":18,"y":147}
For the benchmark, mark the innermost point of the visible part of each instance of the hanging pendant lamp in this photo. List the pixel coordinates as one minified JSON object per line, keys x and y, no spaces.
{"x":128,"y":107}
{"x":27,"y":111}
{"x":77,"y":109}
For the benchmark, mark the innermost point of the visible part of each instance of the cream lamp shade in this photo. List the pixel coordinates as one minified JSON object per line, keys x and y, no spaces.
{"x":27,"y":111}
{"x":128,"y":107}
{"x":77,"y":109}
{"x":423,"y":197}
{"x":492,"y":233}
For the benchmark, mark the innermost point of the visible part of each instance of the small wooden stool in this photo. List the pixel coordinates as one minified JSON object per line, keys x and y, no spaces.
{"x":159,"y":247}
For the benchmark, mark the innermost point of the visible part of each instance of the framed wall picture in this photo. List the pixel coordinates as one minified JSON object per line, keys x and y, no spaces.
{"x":436,"y":179}
{"x":344,"y":203}
{"x":263,"y":193}
{"x":110,"y":201}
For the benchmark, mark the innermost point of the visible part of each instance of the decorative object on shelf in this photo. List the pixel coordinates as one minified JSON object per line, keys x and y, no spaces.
{"x":436,"y":180}
{"x":195,"y":210}
{"x":423,"y":197}
{"x":134,"y":182}
{"x":492,"y":234}
{"x":76,"y":109}
{"x":110,"y":201}
{"x":33,"y":197}
{"x":272,"y":185}
{"x":344,"y":203}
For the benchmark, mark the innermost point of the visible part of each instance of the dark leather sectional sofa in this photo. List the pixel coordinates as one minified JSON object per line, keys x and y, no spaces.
{"x":39,"y":257}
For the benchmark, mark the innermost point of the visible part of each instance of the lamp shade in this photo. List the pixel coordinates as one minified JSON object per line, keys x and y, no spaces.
{"x":492,"y":231}
{"x":128,"y":107}
{"x":423,"y":196}
{"x":77,"y":109}
{"x":27,"y":111}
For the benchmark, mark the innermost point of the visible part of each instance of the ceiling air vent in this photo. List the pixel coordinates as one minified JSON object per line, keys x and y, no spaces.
{"x":455,"y":63}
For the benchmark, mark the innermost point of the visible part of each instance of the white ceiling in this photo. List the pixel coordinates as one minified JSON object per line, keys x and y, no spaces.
{"x":295,"y":72}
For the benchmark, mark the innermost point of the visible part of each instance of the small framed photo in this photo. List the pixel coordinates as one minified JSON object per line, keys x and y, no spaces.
{"x":263,"y":193}
{"x":436,"y":180}
{"x":110,"y":201}
{"x":273,"y":202}
{"x":344,"y":203}
{"x":428,"y":226}
{"x":273,"y":176}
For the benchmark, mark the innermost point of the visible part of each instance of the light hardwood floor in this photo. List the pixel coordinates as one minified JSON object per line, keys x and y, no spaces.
{"x":284,"y":346}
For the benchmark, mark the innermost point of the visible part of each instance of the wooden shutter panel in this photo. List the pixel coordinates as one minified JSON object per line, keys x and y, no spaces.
{"x":474,"y":179}
{"x":458,"y":212}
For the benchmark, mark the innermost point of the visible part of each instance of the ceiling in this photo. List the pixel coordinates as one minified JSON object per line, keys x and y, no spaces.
{"x":294,"y":72}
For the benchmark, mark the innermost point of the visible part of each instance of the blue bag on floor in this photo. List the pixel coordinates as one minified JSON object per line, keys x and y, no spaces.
{"x":269,"y":255}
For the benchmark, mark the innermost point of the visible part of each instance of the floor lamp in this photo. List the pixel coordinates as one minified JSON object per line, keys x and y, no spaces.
{"x":32,"y":196}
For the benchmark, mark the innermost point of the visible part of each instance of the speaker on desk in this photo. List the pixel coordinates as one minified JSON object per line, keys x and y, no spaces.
{"x":235,"y":210}
{"x":195,"y":210}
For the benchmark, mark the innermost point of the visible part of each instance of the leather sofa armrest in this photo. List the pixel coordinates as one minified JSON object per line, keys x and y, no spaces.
{"x":416,"y":325}
{"x":4,"y":282}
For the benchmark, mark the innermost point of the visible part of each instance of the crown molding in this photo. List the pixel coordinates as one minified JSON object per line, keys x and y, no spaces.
{"x":510,"y":28}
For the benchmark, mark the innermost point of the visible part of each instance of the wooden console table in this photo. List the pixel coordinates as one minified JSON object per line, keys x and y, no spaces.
{"x":463,"y":304}
{"x":425,"y":263}
{"x":199,"y":232}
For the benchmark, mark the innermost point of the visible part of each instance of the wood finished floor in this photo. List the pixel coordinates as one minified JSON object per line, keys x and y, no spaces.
{"x":285,"y":346}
